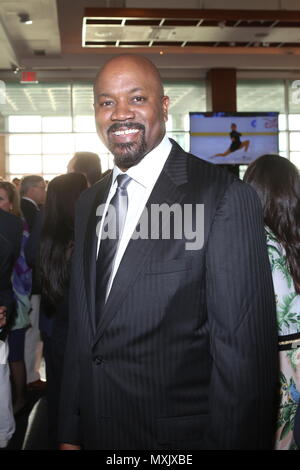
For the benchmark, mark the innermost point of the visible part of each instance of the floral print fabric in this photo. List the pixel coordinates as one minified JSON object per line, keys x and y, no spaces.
{"x":288,"y":321}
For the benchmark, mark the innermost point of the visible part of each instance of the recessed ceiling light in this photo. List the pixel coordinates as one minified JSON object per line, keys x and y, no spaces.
{"x":25,"y":18}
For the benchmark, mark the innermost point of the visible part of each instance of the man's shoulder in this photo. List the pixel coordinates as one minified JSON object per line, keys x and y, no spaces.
{"x":204,"y":170}
{"x":27,"y":203}
{"x":198,"y":164}
{"x":212,"y":177}
{"x":28,"y":206}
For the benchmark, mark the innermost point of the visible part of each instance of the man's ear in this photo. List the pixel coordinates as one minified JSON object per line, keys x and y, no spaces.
{"x":165,"y":106}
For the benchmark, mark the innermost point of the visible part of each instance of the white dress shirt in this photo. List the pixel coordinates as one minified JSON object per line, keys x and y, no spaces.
{"x":144,"y":176}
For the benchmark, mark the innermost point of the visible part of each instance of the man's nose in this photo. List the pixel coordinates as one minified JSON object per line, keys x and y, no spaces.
{"x":122,"y":112}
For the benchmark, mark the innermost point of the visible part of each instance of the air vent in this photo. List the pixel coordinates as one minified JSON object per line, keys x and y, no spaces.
{"x":39,"y":52}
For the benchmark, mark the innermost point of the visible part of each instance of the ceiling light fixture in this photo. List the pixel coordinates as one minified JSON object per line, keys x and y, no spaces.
{"x":25,"y":18}
{"x":15,"y":69}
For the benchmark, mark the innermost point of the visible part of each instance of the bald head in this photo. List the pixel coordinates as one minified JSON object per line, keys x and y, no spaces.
{"x":130,"y":108}
{"x":133,"y":60}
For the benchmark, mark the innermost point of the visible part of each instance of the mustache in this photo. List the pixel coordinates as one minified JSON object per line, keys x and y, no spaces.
{"x":129,"y":125}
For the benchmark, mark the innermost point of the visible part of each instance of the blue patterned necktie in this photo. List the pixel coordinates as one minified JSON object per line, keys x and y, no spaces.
{"x":112,"y":227}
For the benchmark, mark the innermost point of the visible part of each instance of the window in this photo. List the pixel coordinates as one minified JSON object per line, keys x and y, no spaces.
{"x":275,"y":95}
{"x":46,"y":123}
{"x":184,"y":97}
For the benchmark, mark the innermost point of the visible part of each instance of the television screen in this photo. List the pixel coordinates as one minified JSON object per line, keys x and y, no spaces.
{"x":233,"y":138}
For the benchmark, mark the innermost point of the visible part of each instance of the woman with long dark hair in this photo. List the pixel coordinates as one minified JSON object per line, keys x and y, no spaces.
{"x":277,"y":183}
{"x":57,"y":239}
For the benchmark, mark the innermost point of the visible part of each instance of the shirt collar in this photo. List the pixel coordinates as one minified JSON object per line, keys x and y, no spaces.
{"x":148,"y":169}
{"x":31,"y":200}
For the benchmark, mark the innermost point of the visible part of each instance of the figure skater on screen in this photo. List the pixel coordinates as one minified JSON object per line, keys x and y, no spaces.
{"x":236,"y":143}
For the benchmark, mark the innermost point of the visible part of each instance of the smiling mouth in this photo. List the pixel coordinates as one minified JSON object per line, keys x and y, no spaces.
{"x":126,"y":132}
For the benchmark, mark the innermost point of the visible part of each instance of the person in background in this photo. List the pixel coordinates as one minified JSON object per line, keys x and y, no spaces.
{"x":17,"y":183}
{"x":57,"y":240}
{"x":7,"y":422}
{"x":87,"y":163}
{"x":10,"y":242}
{"x":22,"y":283}
{"x":33,"y":194}
{"x":168,"y":343}
{"x":277,"y":183}
{"x":236,"y":143}
{"x":11,"y":229}
{"x":297,"y":427}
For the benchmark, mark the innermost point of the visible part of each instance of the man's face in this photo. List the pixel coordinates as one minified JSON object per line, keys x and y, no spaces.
{"x":130,"y":111}
{"x":38,"y":192}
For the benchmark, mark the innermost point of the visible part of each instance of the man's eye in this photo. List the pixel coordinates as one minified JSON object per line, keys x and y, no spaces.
{"x":139,"y":99}
{"x":106,"y":103}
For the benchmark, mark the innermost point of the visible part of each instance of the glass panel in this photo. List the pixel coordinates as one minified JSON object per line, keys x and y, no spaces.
{"x":56,"y":164}
{"x":242,"y":170}
{"x":22,"y":164}
{"x":107,"y":161}
{"x":49,"y":177}
{"x":169,"y":123}
{"x":24,"y":124}
{"x":294,"y":122}
{"x":83,"y":99}
{"x":295,"y":158}
{"x":282,"y":122}
{"x":283,"y":139}
{"x":186,"y":123}
{"x":295,"y":141}
{"x":260,"y":95}
{"x":44,"y":99}
{"x":283,"y":154}
{"x":58,"y":143}
{"x":184,"y":97}
{"x":294,"y":96}
{"x":57,"y":124}
{"x":89,"y":143}
{"x":30,"y":144}
{"x":84,"y":124}
{"x":183,"y":139}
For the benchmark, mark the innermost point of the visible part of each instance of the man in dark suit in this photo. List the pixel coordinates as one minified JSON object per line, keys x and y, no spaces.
{"x":173,"y":344}
{"x":33,"y":194}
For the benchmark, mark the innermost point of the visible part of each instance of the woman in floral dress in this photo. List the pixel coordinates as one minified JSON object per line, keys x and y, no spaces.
{"x":277,"y":182}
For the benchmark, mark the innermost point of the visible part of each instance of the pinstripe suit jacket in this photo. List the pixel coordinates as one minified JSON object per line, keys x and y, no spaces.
{"x":184,"y":355}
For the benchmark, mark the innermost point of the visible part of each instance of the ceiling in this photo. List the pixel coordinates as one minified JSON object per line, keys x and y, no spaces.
{"x":249,"y":36}
{"x":189,"y":28}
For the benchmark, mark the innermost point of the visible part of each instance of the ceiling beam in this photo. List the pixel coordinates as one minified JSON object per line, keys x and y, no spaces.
{"x":266,"y":15}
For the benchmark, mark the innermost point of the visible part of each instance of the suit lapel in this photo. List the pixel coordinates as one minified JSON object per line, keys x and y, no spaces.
{"x":90,"y":248}
{"x":166,"y":190}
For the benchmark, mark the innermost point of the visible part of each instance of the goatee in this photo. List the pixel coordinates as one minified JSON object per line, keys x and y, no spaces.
{"x":128,"y":154}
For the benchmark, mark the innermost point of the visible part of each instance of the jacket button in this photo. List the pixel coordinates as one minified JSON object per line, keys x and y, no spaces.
{"x":98,"y":360}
